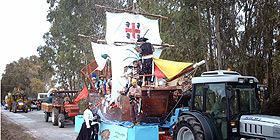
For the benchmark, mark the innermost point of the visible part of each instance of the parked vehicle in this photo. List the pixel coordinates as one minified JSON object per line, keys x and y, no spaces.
{"x":42,"y":96}
{"x":6,"y":106}
{"x":34,"y":103}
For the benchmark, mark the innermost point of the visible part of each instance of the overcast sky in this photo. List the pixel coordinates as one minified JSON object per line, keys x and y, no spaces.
{"x":22,"y":26}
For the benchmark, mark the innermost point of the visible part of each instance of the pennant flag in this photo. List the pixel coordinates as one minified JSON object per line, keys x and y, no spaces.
{"x":169,"y":69}
{"x":127,"y":27}
{"x":82,"y":95}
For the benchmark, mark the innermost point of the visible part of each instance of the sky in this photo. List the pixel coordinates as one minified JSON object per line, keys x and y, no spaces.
{"x":22,"y":26}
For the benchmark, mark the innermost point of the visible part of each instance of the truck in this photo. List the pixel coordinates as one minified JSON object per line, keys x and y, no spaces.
{"x":59,"y":110}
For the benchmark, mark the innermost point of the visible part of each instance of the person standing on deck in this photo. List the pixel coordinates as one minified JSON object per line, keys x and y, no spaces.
{"x":135,"y":94}
{"x":146,"y":50}
{"x":140,"y":81}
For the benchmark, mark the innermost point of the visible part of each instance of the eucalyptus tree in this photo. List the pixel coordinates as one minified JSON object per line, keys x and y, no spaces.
{"x":67,"y":52}
{"x":26,"y":73}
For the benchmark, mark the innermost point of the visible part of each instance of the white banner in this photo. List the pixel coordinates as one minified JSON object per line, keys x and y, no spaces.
{"x":98,"y":51}
{"x":125,"y":27}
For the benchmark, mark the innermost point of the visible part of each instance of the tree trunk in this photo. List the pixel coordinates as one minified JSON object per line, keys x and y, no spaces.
{"x":218,"y":36}
{"x":202,"y":37}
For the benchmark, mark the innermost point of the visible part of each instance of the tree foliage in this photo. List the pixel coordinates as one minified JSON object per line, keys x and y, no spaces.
{"x":241,"y":35}
{"x":64,"y":49}
{"x":29,"y":74}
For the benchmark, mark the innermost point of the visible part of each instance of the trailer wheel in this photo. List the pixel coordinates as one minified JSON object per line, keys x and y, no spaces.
{"x":55,"y":114}
{"x":187,"y":127}
{"x":61,"y":120}
{"x":73,"y":120}
{"x":47,"y":115}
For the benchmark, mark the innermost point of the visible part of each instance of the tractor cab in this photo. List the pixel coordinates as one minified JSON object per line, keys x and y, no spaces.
{"x":224,"y":96}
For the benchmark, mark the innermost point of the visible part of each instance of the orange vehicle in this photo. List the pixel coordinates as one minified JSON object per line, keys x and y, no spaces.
{"x":61,"y":108}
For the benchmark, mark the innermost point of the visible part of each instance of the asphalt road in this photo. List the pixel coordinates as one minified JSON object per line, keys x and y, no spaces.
{"x":35,"y":125}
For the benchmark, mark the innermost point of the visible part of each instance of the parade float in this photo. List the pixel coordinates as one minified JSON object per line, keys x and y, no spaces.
{"x":117,"y":51}
{"x":224,"y":104}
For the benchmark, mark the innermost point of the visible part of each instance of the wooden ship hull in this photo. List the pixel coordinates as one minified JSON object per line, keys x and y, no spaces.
{"x":156,"y":104}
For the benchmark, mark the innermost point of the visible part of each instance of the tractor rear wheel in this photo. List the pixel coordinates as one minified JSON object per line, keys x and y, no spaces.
{"x":47,"y":115}
{"x":187,"y":127}
{"x":15,"y":109}
{"x":55,"y":113}
{"x":61,"y":121}
{"x":73,"y":120}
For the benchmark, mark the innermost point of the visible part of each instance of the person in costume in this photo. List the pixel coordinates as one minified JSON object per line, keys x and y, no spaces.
{"x":140,"y":81}
{"x":146,"y":50}
{"x":101,"y":85}
{"x":136,"y":69}
{"x":135,"y":94}
{"x":127,"y":75}
{"x":97,"y":117}
{"x":67,"y":101}
{"x":86,"y":130}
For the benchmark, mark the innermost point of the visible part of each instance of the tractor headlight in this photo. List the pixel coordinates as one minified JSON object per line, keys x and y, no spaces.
{"x":20,"y":103}
{"x":251,"y":81}
{"x":241,"y":80}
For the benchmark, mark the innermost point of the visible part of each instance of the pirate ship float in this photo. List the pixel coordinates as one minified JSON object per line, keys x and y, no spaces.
{"x":122,"y":31}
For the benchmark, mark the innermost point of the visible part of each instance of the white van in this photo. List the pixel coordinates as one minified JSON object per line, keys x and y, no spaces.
{"x":42,"y":96}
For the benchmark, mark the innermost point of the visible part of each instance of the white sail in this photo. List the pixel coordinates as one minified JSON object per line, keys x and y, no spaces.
{"x":125,"y":27}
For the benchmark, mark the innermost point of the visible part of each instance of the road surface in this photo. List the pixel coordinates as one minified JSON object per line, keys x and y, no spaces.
{"x":36,"y":126}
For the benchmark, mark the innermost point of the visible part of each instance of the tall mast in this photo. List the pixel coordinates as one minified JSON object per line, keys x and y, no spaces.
{"x":134,"y":5}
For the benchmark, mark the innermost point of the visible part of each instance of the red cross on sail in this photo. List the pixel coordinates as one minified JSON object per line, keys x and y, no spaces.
{"x":132,"y":30}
